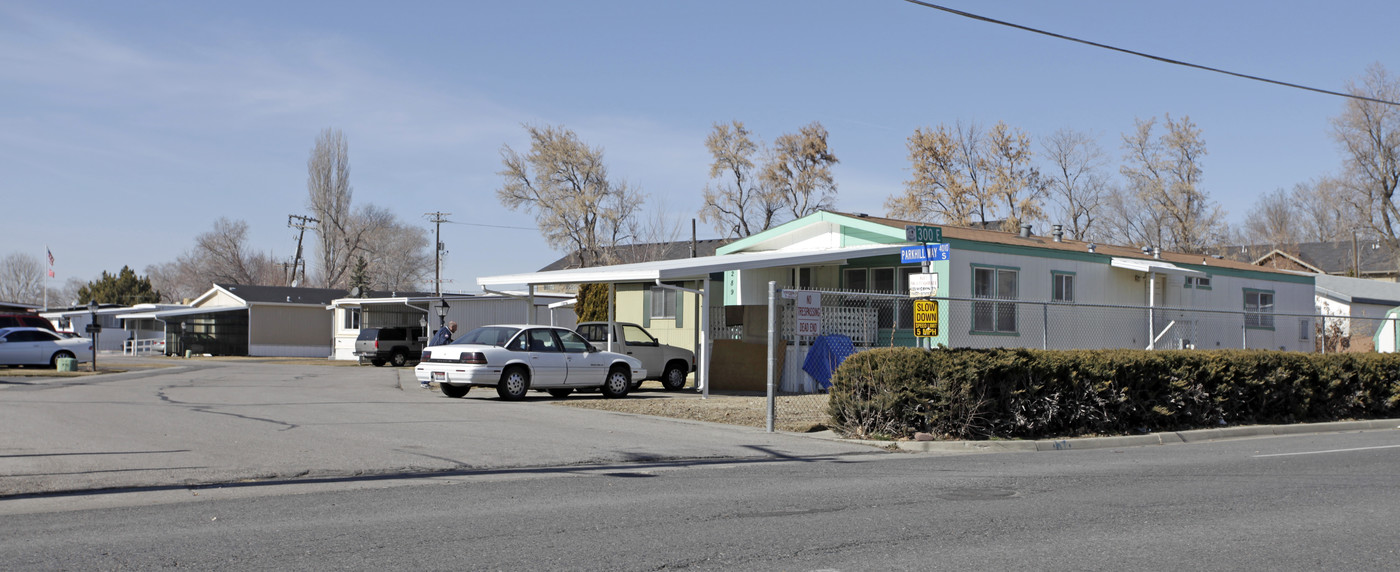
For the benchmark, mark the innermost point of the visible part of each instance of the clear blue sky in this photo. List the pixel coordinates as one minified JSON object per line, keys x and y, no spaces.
{"x":127,"y":128}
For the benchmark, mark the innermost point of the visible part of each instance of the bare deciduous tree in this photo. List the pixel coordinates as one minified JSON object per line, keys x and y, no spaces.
{"x":1325,"y":213}
{"x":1011,"y":177}
{"x":329,"y":196}
{"x":799,"y":170}
{"x":737,"y":204}
{"x":1273,"y":222}
{"x":398,"y":257}
{"x":21,"y":278}
{"x":220,"y":255}
{"x":1077,"y":186}
{"x":565,"y":184}
{"x":1164,"y":174}
{"x":949,"y":184}
{"x":1369,"y":134}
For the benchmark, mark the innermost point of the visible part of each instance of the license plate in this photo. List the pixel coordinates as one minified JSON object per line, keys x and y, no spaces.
{"x":439,"y":376}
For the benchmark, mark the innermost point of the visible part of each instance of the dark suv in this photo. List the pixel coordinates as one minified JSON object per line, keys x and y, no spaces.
{"x":25,"y":321}
{"x":388,"y":345}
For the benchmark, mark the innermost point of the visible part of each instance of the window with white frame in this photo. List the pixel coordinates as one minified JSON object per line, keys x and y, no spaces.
{"x":663,"y":304}
{"x":855,"y":279}
{"x":1062,"y":286}
{"x":1259,"y":309}
{"x":996,"y":284}
{"x":352,"y":319}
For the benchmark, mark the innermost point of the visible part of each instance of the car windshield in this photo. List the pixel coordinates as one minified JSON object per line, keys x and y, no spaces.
{"x":488,"y":336}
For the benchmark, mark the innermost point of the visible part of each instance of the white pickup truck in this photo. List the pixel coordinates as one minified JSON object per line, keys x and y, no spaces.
{"x":668,"y":364}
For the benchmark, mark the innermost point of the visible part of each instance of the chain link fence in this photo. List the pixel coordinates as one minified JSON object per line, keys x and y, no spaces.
{"x":854,"y":321}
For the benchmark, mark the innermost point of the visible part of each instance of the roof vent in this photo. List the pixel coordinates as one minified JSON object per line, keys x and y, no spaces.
{"x":1146,"y":250}
{"x":1091,"y":247}
{"x":1157,"y":253}
{"x":862,"y":215}
{"x":1025,"y":231}
{"x":1058,"y":232}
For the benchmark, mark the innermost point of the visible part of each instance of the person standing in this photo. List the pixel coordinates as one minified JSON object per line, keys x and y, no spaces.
{"x":441,"y":338}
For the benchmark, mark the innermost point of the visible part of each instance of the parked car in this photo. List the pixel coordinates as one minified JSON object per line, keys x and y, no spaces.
{"x":668,"y":364}
{"x":38,"y":346}
{"x":518,"y":358}
{"x":388,"y":345}
{"x":25,"y":321}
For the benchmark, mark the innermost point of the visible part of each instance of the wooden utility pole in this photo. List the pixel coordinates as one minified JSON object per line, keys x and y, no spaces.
{"x":299,"y":222}
{"x":437,"y":218}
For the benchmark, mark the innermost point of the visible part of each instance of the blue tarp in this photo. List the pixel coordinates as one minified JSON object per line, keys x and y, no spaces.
{"x":826,"y":355}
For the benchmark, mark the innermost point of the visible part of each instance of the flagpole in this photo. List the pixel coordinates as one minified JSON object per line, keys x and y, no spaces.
{"x":47,"y":268}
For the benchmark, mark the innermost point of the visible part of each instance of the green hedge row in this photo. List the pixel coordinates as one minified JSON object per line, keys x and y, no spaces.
{"x":1032,"y":394}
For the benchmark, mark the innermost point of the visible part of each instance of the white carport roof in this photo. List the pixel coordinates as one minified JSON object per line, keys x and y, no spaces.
{"x":1158,"y":266}
{"x":689,"y":268}
{"x":190,"y":311}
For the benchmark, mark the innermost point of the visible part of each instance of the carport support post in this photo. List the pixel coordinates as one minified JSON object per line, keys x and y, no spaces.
{"x":772,"y":350}
{"x":530,"y":307}
{"x":612,"y":317}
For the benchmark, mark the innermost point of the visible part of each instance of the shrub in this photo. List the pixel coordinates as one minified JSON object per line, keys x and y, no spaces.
{"x":1023,"y":393}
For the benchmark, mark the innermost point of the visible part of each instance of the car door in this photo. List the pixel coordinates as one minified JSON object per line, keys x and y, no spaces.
{"x":548,"y":364}
{"x":641,"y":345}
{"x":585,"y":367}
{"x":22,"y":347}
{"x":12,"y":349}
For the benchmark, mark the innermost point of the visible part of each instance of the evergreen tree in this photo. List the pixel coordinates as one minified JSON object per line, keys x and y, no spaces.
{"x":124,"y":288}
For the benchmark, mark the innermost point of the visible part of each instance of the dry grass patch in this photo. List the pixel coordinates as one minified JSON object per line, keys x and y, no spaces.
{"x":798,"y":413}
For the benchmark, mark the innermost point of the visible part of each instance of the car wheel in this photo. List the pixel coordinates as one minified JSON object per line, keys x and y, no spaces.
{"x":674,"y":378}
{"x":60,"y":355}
{"x":454,"y":391}
{"x":561,"y":391}
{"x":617,"y":384}
{"x":377,"y":362}
{"x":515,"y":382}
{"x":399,"y":359}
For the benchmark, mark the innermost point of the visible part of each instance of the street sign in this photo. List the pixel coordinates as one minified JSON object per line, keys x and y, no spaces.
{"x":923,"y":285}
{"x":919,"y":233}
{"x":925,"y":318}
{"x":91,"y":328}
{"x":921,"y":253}
{"x":809,"y":313}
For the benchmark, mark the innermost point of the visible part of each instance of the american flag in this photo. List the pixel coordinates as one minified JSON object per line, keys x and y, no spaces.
{"x":50,"y":253}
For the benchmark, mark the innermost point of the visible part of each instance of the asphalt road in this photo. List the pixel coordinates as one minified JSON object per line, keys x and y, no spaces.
{"x":213,"y":421}
{"x":1323,"y":502}
{"x":324,"y":468}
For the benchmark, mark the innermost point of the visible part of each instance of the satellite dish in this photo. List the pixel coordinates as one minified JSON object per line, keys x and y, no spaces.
{"x":355,"y":292}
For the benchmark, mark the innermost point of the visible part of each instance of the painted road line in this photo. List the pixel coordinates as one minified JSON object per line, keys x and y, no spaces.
{"x":1328,"y":451}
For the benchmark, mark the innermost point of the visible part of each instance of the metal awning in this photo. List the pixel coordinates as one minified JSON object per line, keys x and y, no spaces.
{"x":689,"y":268}
{"x":192,"y":311}
{"x":1158,"y":266}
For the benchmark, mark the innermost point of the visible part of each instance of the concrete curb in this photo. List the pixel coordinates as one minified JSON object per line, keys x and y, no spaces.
{"x":1086,"y":443}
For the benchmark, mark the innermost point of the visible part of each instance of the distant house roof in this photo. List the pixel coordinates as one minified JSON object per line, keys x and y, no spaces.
{"x":1321,"y":257}
{"x":279,"y":294}
{"x":646,"y":252}
{"x":1359,"y":290}
{"x":17,"y":307}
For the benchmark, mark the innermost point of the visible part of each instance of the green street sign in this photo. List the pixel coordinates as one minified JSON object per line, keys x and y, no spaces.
{"x":919,"y":233}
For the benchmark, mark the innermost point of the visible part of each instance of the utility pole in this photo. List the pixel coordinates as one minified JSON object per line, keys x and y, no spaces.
{"x":299,"y":222}
{"x":437,"y":218}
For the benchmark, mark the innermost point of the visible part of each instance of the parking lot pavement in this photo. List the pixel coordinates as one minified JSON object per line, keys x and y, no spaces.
{"x":218,"y":421}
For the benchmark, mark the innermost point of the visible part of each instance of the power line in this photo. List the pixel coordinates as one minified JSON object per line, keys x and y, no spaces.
{"x":1144,"y":55}
{"x":489,"y":225}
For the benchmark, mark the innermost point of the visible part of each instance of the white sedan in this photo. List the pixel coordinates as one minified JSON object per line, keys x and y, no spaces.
{"x":518,"y":358}
{"x":38,"y":346}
